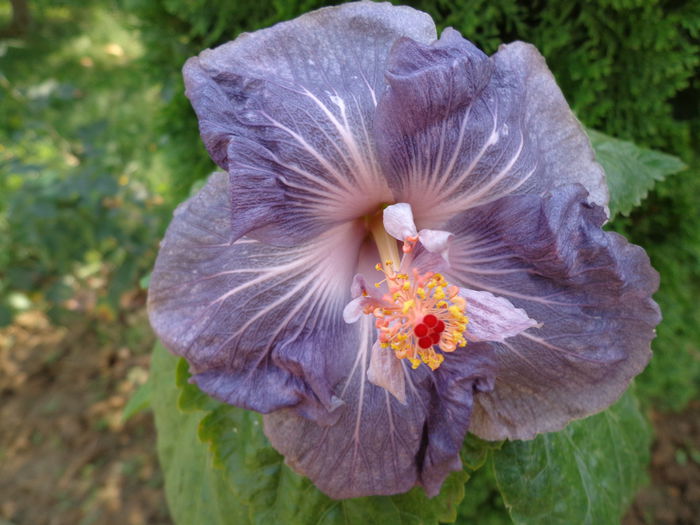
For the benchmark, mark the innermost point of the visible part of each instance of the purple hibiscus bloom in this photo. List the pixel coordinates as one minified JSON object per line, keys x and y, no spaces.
{"x":406,"y":244}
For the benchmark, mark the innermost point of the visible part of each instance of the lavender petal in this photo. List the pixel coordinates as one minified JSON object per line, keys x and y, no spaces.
{"x":457,"y":129}
{"x":288,"y":112}
{"x":590,"y":290}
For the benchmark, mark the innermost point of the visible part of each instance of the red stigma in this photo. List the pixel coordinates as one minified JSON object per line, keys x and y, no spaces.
{"x":425,"y":342}
{"x":428,"y":332}
{"x":430,"y":320}
{"x":420,"y":330}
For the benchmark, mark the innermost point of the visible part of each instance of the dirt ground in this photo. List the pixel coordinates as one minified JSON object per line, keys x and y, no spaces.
{"x":673,"y":497}
{"x":67,"y":458}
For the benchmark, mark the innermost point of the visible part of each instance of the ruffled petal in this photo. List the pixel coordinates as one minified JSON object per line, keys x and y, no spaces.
{"x":589,"y":289}
{"x":463,"y":375}
{"x":370,"y":450}
{"x":251,"y":318}
{"x":288,"y":112}
{"x":457,"y":129}
{"x":564,"y":152}
{"x":380,"y":446}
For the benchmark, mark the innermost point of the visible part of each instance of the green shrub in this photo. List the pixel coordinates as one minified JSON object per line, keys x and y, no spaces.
{"x":78,"y":155}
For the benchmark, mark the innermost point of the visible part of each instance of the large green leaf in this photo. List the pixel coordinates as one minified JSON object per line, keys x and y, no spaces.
{"x":585,"y":474}
{"x":483,"y":503}
{"x":220,"y":469}
{"x":631,"y":171}
{"x":196,"y":492}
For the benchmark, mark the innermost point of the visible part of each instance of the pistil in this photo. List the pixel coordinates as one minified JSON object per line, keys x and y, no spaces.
{"x":386,"y":245}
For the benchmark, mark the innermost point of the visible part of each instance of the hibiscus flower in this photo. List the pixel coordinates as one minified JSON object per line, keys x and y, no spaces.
{"x":405,"y":245}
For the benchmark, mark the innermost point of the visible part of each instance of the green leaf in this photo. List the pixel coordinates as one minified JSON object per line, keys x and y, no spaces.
{"x":139,"y":401}
{"x":585,"y":474}
{"x":483,"y":503}
{"x":220,"y":468}
{"x":476,"y":451}
{"x":196,"y":492}
{"x":145,"y":281}
{"x":191,"y":398}
{"x":631,"y":171}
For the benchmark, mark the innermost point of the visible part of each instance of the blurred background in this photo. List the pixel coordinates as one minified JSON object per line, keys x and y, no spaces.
{"x":98,"y":145}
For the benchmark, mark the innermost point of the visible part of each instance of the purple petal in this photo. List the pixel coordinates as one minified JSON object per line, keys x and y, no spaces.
{"x":288,"y":112}
{"x":250,"y":318}
{"x":564,"y":152}
{"x":456,"y":129}
{"x":589,"y":289}
{"x":378,"y":445}
{"x":462,"y":377}
{"x":372,"y":448}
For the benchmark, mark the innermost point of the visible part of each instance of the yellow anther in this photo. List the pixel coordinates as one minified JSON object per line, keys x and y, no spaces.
{"x":408,"y":301}
{"x":455,"y":310}
{"x":378,"y":267}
